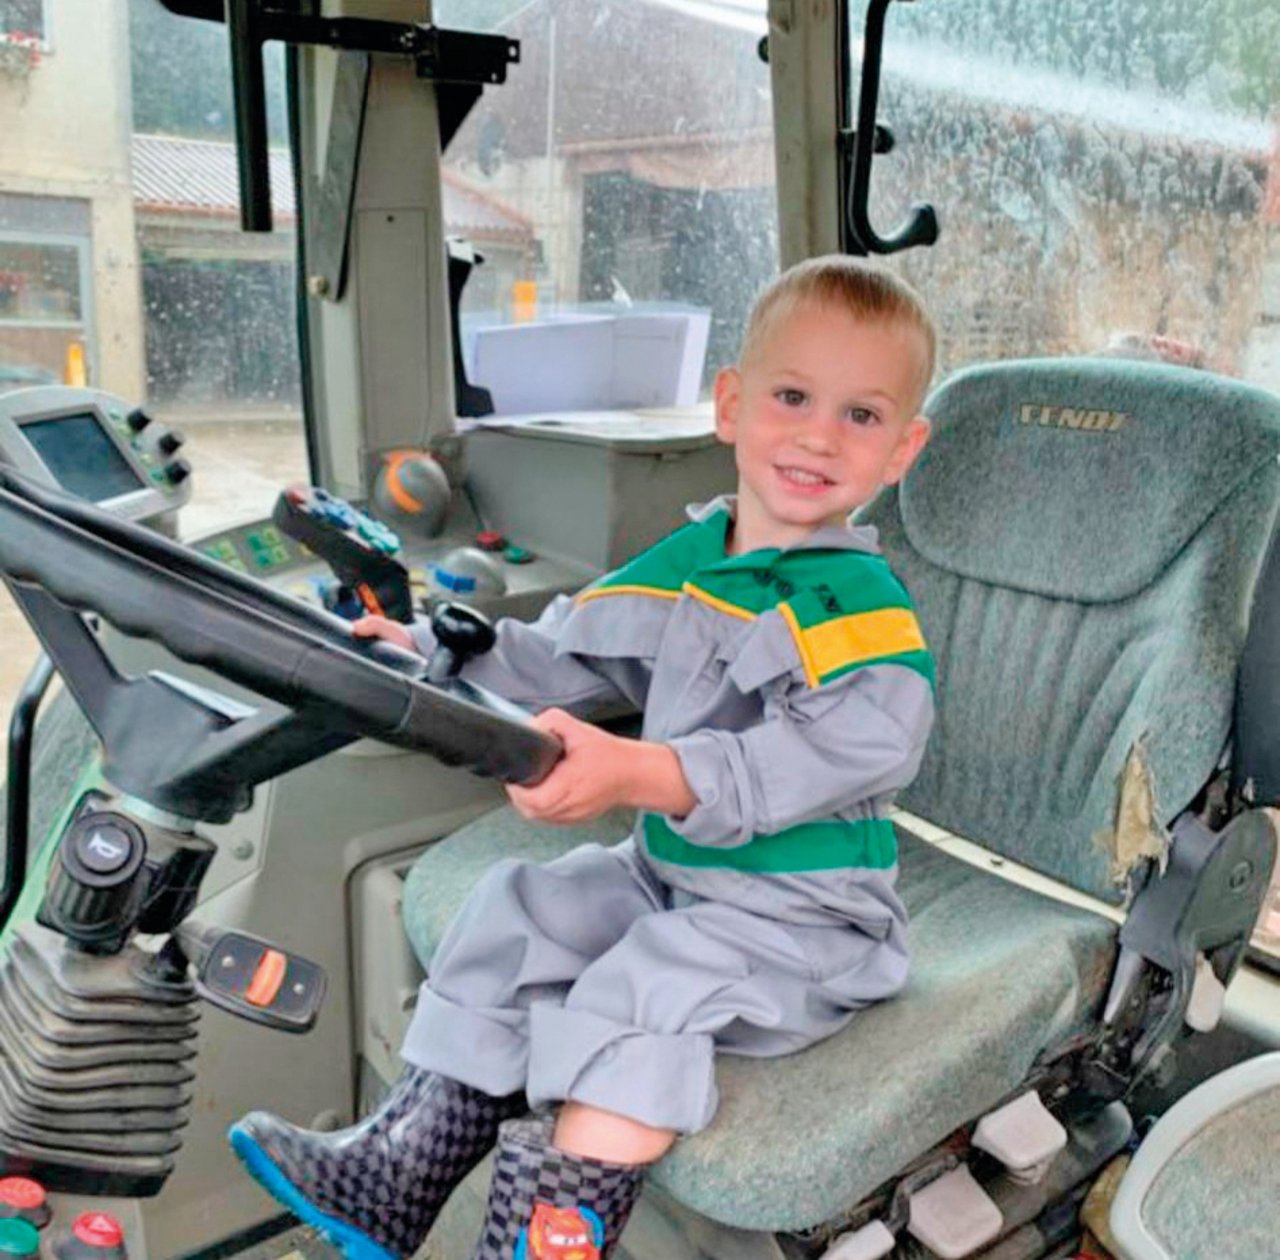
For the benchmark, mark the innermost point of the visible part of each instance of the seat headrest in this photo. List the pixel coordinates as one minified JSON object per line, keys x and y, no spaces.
{"x":1080,"y":479}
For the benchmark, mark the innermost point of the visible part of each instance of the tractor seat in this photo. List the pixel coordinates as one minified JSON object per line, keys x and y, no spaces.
{"x":797,"y":1140}
{"x":1082,"y":540}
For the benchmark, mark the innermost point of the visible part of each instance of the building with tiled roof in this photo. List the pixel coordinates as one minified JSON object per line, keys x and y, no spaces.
{"x":220,"y":302}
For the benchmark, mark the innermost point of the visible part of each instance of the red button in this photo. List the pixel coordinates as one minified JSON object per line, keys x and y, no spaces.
{"x":98,"y":1229}
{"x":21,"y":1193}
{"x":490,"y":540}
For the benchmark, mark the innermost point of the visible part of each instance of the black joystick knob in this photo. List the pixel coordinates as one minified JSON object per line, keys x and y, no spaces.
{"x":95,"y":882}
{"x":461,"y":633}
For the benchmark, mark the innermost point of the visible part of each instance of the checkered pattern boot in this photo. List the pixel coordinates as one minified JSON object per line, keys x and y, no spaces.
{"x":374,"y":1189}
{"x":544,"y":1202}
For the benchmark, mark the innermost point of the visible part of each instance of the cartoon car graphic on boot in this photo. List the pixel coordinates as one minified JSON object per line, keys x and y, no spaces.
{"x":561,"y":1233}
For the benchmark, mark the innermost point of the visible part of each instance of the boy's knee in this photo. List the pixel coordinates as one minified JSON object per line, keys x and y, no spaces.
{"x":594,"y":1133}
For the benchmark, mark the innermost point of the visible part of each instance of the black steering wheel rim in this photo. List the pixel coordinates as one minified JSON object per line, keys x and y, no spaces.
{"x":300,"y":657}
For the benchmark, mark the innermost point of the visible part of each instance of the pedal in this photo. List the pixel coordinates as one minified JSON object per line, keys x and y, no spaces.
{"x":1023,"y":1136}
{"x":872,"y":1242}
{"x":253,"y":978}
{"x":954,"y":1216}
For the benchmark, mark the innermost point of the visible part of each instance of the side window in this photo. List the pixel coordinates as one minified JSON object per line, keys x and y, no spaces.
{"x":121,"y":263}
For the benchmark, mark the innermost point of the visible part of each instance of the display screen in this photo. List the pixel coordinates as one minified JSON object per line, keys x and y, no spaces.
{"x":82,"y":457}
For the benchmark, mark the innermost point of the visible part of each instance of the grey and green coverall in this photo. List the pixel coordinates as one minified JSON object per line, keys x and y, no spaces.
{"x":796,"y":689}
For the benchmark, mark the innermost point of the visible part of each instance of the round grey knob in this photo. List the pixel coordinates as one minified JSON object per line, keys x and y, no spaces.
{"x":411,"y":493}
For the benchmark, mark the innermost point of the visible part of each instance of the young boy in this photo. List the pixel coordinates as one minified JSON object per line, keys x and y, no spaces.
{"x":787,"y":694}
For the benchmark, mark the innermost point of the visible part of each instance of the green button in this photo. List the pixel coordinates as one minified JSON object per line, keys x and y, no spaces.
{"x":18,"y":1238}
{"x":156,"y":474}
{"x":255,"y":543}
{"x":516,"y":555}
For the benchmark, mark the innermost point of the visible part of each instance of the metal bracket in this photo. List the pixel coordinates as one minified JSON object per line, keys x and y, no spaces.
{"x":441,"y":56}
{"x":444,"y":56}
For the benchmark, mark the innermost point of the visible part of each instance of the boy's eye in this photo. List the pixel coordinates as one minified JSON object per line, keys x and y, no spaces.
{"x":861,"y":415}
{"x":791,"y":397}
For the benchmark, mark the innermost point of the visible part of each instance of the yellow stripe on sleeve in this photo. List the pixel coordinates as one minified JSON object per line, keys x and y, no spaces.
{"x":847,"y":641}
{"x":596,"y":592}
{"x":714,"y":601}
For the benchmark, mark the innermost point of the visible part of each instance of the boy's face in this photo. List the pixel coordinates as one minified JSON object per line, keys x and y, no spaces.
{"x":821,"y":416}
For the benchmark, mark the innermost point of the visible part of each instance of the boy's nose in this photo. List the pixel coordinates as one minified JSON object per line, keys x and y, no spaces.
{"x":821,"y":435}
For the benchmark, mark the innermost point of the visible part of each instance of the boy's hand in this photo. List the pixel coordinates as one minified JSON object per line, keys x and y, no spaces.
{"x":384,"y":628}
{"x":600,"y":771}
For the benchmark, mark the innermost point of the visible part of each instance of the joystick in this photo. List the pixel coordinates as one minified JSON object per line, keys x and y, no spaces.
{"x":461,"y":633}
{"x":359,"y":549}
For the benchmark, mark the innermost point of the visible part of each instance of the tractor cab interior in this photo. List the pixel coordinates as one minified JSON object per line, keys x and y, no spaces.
{"x":227,"y":819}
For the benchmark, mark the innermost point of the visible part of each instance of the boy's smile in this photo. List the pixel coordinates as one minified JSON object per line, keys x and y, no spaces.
{"x":820,"y":417}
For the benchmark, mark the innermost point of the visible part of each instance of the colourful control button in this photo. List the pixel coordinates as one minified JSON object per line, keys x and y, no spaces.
{"x":490,"y":540}
{"x":517,"y":555}
{"x":98,"y":1229}
{"x":21,"y":1192}
{"x":98,"y":1234}
{"x":24,"y":1199}
{"x":377,"y":535}
{"x":336,"y":512}
{"x":458,"y":583}
{"x":19,"y":1238}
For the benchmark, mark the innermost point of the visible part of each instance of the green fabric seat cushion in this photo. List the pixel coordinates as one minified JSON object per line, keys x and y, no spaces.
{"x":799,"y":1139}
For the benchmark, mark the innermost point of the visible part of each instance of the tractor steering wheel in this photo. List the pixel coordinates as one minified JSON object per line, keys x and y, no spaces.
{"x":336,"y":687}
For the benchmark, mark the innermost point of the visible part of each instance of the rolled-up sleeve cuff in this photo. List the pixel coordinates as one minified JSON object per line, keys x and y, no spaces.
{"x":717,"y":774}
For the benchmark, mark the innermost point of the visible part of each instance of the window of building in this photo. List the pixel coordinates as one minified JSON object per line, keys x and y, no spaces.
{"x":46,"y":316}
{"x":22,"y":17}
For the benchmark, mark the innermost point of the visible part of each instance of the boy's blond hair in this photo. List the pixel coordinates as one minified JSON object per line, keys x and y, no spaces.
{"x":860,"y":288}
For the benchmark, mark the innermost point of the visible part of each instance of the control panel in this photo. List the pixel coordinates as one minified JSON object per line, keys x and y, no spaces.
{"x":322,"y":549}
{"x":40,"y":1226}
{"x":97,"y":446}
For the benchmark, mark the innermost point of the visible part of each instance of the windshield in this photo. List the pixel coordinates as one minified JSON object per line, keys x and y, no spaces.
{"x":625,"y":171}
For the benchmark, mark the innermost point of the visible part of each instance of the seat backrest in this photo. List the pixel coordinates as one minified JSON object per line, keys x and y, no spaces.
{"x":1081,"y":539}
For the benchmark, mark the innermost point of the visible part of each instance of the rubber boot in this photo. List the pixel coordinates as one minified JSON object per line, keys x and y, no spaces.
{"x":545,"y":1204}
{"x":374,"y":1189}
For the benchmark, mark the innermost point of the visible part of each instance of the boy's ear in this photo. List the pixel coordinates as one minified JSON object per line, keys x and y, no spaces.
{"x":910,"y":444}
{"x":728,"y":396}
